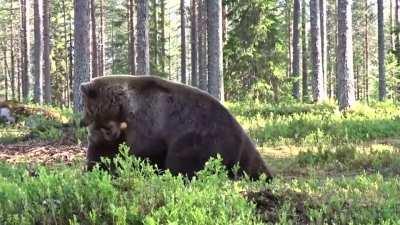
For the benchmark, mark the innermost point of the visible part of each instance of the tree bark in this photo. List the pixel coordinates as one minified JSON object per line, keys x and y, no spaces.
{"x":202,"y":52}
{"x":290,"y":50}
{"x":12,"y":55}
{"x":94,"y":39}
{"x":46,"y":51}
{"x":5,"y":65}
{"x":24,"y":50}
{"x":345,"y":74}
{"x":37,"y":52}
{"x":214,"y":26}
{"x":183,"y":42}
{"x":82,"y":52}
{"x":296,"y":49}
{"x":162,"y":40}
{"x":366,"y":54}
{"x":324,"y":41}
{"x":142,"y":38}
{"x":131,"y":39}
{"x":101,"y":54}
{"x":396,"y":15}
{"x":304,"y":51}
{"x":316,"y":52}
{"x":381,"y":52}
{"x":194,"y":38}
{"x":67,"y":65}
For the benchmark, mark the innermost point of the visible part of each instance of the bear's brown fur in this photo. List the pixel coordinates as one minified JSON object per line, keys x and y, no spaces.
{"x":175,"y":126}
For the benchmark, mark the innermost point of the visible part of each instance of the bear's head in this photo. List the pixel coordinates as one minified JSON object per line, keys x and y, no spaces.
{"x":102,"y":101}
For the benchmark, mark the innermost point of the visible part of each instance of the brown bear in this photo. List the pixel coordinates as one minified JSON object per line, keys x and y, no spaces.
{"x":175,"y":126}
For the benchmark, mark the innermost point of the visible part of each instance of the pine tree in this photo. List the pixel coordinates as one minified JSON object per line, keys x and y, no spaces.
{"x":82,"y":52}
{"x":214,"y":26}
{"x":142,"y":38}
{"x":346,"y":94}
{"x":296,"y":48}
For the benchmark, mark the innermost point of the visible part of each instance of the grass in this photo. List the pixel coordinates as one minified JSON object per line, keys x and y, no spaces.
{"x":331,"y":169}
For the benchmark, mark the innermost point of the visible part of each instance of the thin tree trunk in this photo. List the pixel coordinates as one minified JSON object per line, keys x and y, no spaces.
{"x":94,"y":39}
{"x":345,"y":55}
{"x":46,"y":51}
{"x":194,"y":37}
{"x":215,"y":71}
{"x":67,"y":65}
{"x":381,"y":52}
{"x":183,"y":42}
{"x":316,"y":52}
{"x":24,"y":50}
{"x":155,"y":37}
{"x":71,"y":63}
{"x":82,"y":52}
{"x":304,"y":50}
{"x":131,"y":39}
{"x":142,"y":38}
{"x":296,"y":49}
{"x":12,"y":56}
{"x":5,"y":72}
{"x":202,"y":42}
{"x":366,"y":54}
{"x":18,"y":67}
{"x":391,"y":30}
{"x":37,"y":52}
{"x":290,"y":53}
{"x":396,"y":15}
{"x":102,"y":41}
{"x":162,"y":40}
{"x":324,"y":41}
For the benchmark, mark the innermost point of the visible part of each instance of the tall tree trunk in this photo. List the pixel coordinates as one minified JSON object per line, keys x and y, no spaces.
{"x":202,"y":52}
{"x":316,"y":52}
{"x":366,"y":53}
{"x":345,"y":55}
{"x":154,"y":38}
{"x":67,"y":65}
{"x":12,"y":55}
{"x":183,"y":42}
{"x":82,"y":52}
{"x":131,"y":38}
{"x":296,"y":49}
{"x":162,"y":39}
{"x":324,"y":41}
{"x":381,"y":51}
{"x":24,"y":50}
{"x":391,"y":30}
{"x":37,"y":51}
{"x":18,"y":67}
{"x":46,"y":51}
{"x":101,"y":54}
{"x":193,"y":37}
{"x":304,"y":50}
{"x":94,"y":39}
{"x":142,"y":38}
{"x":290,"y":51}
{"x":214,"y":26}
{"x":396,"y":15}
{"x":5,"y":65}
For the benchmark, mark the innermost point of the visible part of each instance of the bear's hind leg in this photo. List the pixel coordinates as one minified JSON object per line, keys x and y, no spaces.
{"x":187,"y":155}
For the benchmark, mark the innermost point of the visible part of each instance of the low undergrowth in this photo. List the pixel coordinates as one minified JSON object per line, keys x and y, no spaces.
{"x":137,"y":195}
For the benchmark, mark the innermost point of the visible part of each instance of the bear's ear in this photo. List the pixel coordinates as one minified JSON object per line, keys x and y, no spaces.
{"x":88,"y":90}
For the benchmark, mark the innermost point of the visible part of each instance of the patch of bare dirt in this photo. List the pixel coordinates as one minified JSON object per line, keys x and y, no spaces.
{"x":42,"y":153}
{"x":269,"y":204}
